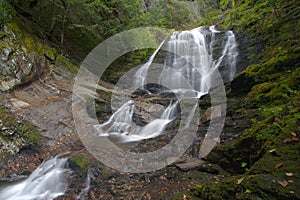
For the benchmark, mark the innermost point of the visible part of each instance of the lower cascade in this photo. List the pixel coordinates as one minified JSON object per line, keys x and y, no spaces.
{"x":47,"y":182}
{"x":192,"y":61}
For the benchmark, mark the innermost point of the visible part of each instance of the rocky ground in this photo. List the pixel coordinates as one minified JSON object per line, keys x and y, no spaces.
{"x":47,"y":105}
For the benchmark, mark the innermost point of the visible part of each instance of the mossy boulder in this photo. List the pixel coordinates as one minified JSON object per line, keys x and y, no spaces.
{"x":79,"y":163}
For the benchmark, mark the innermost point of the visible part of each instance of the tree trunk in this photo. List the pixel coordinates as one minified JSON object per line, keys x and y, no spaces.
{"x":66,"y":10}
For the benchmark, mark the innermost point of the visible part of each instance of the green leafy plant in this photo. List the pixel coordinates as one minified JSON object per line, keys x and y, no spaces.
{"x":244,"y":164}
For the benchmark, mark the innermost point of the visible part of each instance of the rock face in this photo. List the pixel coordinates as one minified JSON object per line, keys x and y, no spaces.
{"x":17,"y":65}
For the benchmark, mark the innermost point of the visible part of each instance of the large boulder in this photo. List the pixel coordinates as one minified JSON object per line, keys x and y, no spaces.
{"x":18,"y":65}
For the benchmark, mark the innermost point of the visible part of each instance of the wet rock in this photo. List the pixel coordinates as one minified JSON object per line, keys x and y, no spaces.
{"x":242,"y":84}
{"x":147,"y":112}
{"x":189,"y":164}
{"x":208,"y":168}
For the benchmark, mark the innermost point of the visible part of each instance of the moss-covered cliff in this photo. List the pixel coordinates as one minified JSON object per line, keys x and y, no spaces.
{"x":265,"y":158}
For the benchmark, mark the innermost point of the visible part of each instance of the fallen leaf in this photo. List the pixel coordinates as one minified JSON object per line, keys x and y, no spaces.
{"x":272,"y":151}
{"x":283,"y":183}
{"x":279,"y":165}
{"x":294,"y":134}
{"x":184,"y":197}
{"x":53,"y":98}
{"x":240,"y":180}
{"x":289,"y":140}
{"x":295,"y":139}
{"x":290,"y":181}
{"x":289,"y":174}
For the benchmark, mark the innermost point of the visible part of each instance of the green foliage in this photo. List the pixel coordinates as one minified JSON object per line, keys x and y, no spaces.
{"x":244,"y":164}
{"x":29,"y":133}
{"x":80,"y":25}
{"x":6,"y":10}
{"x":274,"y":25}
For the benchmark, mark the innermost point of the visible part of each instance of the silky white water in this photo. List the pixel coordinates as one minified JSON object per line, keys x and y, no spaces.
{"x":47,"y":182}
{"x":195,"y":56}
{"x":120,"y":124}
{"x":192,"y":59}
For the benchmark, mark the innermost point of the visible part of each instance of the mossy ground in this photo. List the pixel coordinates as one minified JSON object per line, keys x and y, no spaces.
{"x":265,"y":159}
{"x":18,"y":128}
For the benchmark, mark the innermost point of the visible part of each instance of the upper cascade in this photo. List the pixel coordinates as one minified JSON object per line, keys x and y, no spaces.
{"x":192,"y":57}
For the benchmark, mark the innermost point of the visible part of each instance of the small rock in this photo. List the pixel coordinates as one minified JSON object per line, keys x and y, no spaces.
{"x":18,"y":104}
{"x":189,"y":164}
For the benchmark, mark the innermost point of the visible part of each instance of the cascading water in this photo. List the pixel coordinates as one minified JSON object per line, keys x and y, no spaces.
{"x":120,"y":124}
{"x":141,"y":74}
{"x":155,"y":127}
{"x":190,"y":64}
{"x":47,"y":182}
{"x":194,"y":58}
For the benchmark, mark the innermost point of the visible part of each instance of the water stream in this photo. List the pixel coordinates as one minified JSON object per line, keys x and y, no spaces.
{"x":47,"y":182}
{"x":191,"y":60}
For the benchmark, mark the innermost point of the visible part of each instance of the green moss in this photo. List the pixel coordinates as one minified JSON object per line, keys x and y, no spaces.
{"x":275,"y":95}
{"x":249,"y":186}
{"x":126,"y":62}
{"x":33,"y":44}
{"x":29,"y":133}
{"x":81,"y":162}
{"x":63,"y":62}
{"x":6,"y":10}
{"x":19,"y":128}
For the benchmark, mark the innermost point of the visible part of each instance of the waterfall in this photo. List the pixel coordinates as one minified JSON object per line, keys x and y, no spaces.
{"x":84,"y":193}
{"x":141,"y":74}
{"x":47,"y":182}
{"x":170,"y":112}
{"x":155,"y":127}
{"x":191,"y":60}
{"x":119,"y":123}
{"x":195,"y":57}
